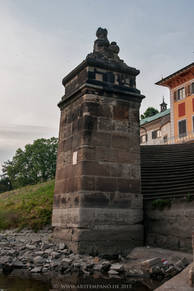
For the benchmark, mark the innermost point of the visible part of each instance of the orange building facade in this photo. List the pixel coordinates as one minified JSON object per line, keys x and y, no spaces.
{"x":181,"y":85}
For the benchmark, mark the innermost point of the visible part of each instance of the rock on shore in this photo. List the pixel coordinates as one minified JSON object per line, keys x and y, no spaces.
{"x":37,"y":253}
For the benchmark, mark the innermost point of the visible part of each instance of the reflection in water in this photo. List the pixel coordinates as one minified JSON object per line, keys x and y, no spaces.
{"x":77,"y":283}
{"x":68,"y":283}
{"x":12,"y":283}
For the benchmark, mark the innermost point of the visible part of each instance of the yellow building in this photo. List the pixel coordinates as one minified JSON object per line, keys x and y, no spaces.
{"x":181,"y":85}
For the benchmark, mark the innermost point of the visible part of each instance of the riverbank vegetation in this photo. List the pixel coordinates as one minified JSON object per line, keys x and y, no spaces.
{"x":34,"y":164}
{"x":29,"y":206}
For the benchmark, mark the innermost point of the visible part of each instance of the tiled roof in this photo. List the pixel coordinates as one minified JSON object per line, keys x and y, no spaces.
{"x":174,"y":74}
{"x":154,"y":117}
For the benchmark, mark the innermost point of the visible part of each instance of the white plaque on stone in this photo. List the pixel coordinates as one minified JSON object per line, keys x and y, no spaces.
{"x":74,"y":158}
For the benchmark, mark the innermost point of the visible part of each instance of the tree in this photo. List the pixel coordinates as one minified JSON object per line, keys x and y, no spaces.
{"x":36,"y":163}
{"x":150,"y":111}
{"x":5,"y":184}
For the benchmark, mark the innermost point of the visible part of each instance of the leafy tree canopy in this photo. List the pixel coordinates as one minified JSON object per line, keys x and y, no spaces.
{"x":5,"y":184}
{"x":36,"y":163}
{"x":150,"y":111}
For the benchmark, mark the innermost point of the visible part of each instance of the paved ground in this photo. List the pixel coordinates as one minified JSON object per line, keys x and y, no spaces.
{"x":177,"y":283}
{"x":140,"y":254}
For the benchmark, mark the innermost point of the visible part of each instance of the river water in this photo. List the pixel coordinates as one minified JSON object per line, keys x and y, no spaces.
{"x":14,"y":283}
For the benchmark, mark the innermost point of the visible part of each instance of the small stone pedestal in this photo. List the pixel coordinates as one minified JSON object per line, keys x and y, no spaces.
{"x":97,"y":202}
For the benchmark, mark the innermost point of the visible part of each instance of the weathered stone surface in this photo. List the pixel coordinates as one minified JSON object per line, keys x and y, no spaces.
{"x":93,"y":217}
{"x":36,"y":270}
{"x":113,"y":272}
{"x":97,"y":191}
{"x":117,"y":267}
{"x":38,"y":260}
{"x":148,"y":264}
{"x":191,"y":276}
{"x":171,"y":227}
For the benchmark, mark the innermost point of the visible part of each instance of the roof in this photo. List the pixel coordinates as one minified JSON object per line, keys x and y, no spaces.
{"x":163,"y":80}
{"x":154,"y":117}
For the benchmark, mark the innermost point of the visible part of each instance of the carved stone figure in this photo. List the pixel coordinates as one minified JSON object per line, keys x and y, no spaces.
{"x":102,"y":41}
{"x":114,"y":48}
{"x":103,"y":46}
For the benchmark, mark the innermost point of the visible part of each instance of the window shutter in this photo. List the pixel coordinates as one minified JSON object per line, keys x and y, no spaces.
{"x":189,"y":90}
{"x":175,"y":95}
{"x":193,"y":123}
{"x":192,"y":88}
{"x":186,"y":91}
{"x":181,"y":109}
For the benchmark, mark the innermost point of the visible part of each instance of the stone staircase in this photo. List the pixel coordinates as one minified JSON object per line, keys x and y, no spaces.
{"x":167,"y":171}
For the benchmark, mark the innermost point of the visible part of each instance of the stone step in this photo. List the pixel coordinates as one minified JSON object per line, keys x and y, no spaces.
{"x":167,"y":171}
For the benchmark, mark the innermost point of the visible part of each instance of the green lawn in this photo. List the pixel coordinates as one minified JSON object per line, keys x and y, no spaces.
{"x":30,"y":207}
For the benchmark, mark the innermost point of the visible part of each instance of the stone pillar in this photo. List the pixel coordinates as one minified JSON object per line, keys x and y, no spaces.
{"x":98,"y":202}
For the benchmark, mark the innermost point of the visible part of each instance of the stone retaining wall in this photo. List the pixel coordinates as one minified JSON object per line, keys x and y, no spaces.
{"x":171,"y":227}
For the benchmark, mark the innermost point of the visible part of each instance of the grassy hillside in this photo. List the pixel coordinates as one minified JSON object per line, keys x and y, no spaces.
{"x":30,"y":206}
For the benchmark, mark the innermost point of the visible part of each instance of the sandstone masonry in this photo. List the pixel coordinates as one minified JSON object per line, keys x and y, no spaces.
{"x":97,"y":203}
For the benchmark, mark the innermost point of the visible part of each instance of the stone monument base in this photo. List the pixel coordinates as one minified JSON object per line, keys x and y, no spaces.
{"x":97,"y":242}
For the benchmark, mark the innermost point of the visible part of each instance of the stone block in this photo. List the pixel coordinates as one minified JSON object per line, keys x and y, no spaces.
{"x":67,"y":200}
{"x":121,"y":111}
{"x":111,"y":200}
{"x":95,"y":168}
{"x":117,"y":241}
{"x":120,"y":170}
{"x":60,"y":186}
{"x":86,"y":183}
{"x":104,"y":124}
{"x":67,"y":217}
{"x":106,"y":184}
{"x":121,"y":142}
{"x":87,"y":154}
{"x":106,"y":217}
{"x":103,"y":155}
{"x":67,"y":144}
{"x":95,"y":199}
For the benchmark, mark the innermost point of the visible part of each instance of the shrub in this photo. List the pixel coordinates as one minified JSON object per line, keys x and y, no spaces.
{"x":161,"y":204}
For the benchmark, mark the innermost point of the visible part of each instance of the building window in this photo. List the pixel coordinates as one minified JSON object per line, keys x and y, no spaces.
{"x":189,"y":89}
{"x":143,"y":138}
{"x":156,"y":134}
{"x":192,"y":88}
{"x":179,"y":94}
{"x":165,"y":138}
{"x":182,"y":128}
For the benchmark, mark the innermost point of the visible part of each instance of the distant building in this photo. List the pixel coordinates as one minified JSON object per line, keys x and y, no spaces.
{"x":181,"y":85}
{"x":156,"y":129}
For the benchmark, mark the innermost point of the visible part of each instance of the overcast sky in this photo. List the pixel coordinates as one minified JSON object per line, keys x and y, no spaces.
{"x":42,"y":40}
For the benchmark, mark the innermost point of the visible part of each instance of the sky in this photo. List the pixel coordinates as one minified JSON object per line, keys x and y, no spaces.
{"x":43,"y":40}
